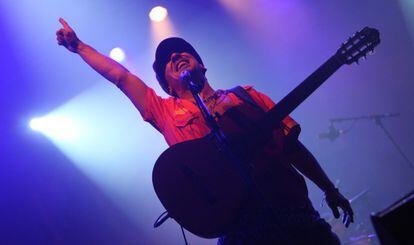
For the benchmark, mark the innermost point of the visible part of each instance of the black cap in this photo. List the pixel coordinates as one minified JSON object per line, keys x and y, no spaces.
{"x":163,"y":54}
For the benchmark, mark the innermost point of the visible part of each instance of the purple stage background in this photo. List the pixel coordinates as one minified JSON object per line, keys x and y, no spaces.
{"x":100,"y":192}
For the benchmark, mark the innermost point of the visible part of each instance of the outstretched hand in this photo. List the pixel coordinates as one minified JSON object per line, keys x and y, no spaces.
{"x":67,"y":37}
{"x":336,"y":200}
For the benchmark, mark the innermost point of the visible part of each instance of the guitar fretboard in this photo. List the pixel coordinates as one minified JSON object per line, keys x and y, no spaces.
{"x":300,"y":93}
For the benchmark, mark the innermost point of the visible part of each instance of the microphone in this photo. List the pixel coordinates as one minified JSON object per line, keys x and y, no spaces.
{"x":332,"y":133}
{"x":185,"y":76}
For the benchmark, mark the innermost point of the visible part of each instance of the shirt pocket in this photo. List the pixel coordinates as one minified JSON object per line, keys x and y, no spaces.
{"x":182,"y":121}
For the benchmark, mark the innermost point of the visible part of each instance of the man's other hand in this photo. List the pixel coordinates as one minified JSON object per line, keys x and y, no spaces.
{"x":67,"y":37}
{"x":336,"y":200}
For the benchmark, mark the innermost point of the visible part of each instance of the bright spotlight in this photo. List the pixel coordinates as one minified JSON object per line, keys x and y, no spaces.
{"x":36,"y":124}
{"x":57,"y":127}
{"x":117,"y":54}
{"x":158,"y":14}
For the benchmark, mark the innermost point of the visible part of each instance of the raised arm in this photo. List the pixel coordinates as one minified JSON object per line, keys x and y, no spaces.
{"x":130,"y":84}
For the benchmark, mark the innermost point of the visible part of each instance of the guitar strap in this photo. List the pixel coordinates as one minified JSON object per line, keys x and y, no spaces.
{"x":241,"y":117}
{"x":240,"y":92}
{"x":293,"y":130}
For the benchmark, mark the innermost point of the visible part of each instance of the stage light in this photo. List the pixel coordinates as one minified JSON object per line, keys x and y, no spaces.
{"x":117,"y":54}
{"x":55,"y":126}
{"x":36,"y":124}
{"x":158,"y":14}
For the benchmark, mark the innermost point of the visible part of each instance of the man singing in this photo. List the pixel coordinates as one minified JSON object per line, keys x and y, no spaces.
{"x":179,"y":119}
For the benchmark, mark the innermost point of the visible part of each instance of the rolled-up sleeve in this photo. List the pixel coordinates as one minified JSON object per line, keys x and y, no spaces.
{"x":155,"y":109}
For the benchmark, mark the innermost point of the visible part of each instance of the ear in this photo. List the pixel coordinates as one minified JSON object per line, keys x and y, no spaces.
{"x":203,"y":69}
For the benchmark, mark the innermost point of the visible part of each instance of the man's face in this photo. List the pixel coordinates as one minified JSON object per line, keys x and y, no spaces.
{"x":178,"y":63}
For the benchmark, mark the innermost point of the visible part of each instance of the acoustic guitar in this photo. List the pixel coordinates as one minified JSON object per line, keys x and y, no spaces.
{"x":199,"y":185}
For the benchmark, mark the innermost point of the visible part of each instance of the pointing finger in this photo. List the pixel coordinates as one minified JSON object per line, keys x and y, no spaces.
{"x":64,"y":24}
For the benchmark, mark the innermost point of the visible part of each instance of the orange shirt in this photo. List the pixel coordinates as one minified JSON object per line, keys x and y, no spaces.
{"x":181,"y":120}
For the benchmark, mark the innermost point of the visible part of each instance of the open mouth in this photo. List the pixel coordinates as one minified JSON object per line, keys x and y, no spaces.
{"x":181,"y":64}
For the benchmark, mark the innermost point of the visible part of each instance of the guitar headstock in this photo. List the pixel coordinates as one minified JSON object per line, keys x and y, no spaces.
{"x":358,"y":46}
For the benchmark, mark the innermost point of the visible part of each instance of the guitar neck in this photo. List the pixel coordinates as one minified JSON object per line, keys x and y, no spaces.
{"x":300,"y":93}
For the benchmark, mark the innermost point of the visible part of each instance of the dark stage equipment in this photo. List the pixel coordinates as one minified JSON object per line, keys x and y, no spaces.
{"x":395,"y":224}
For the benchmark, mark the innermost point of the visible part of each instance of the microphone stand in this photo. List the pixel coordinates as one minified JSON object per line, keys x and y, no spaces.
{"x":219,"y":136}
{"x":211,"y":122}
{"x":378,"y":121}
{"x":223,"y":144}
